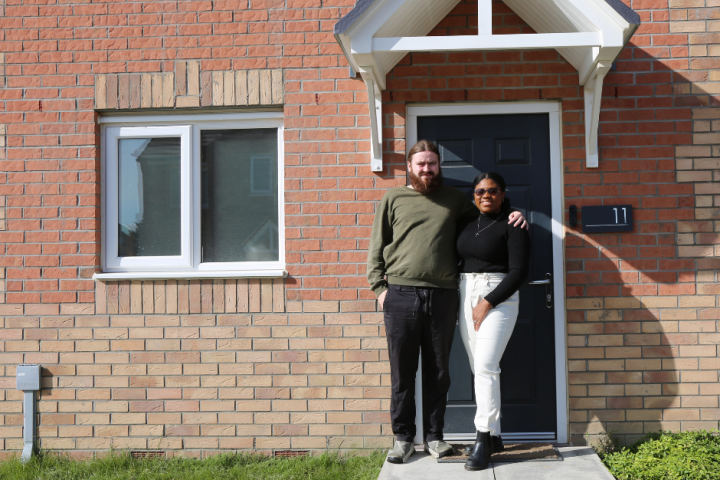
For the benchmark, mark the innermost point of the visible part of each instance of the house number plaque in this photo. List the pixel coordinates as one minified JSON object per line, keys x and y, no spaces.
{"x":610,"y":218}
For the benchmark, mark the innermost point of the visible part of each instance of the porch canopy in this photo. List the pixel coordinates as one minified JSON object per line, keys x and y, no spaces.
{"x":376,"y":34}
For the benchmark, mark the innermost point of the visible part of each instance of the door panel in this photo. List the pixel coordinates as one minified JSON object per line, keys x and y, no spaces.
{"x":518,"y":148}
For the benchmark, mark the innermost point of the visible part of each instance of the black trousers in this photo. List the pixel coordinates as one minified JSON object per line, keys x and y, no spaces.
{"x":418,"y":317}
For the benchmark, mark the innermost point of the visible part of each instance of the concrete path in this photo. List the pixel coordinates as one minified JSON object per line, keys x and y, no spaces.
{"x":578,"y":463}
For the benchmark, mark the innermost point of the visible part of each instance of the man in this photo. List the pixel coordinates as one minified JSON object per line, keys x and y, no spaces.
{"x":412,"y":268}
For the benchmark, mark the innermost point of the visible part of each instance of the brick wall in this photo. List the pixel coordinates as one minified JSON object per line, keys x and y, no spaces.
{"x":140,"y":365}
{"x":199,"y":365}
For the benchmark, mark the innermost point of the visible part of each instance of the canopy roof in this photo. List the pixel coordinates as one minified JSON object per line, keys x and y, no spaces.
{"x":376,"y":34}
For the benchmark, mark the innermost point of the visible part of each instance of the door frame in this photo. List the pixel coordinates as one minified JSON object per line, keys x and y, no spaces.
{"x":554,"y":111}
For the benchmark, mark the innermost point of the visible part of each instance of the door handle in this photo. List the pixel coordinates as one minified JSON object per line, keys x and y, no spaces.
{"x":548,"y":288}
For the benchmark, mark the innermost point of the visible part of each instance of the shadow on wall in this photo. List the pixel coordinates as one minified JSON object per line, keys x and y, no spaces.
{"x":640,"y":319}
{"x":623,"y":342}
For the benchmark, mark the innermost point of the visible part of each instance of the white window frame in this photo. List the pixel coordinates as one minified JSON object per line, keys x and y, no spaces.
{"x":168,"y":262}
{"x":189,"y":263}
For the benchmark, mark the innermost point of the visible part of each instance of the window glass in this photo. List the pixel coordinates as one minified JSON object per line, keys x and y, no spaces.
{"x":239,"y":195}
{"x":261,"y":175}
{"x":149,"y":197}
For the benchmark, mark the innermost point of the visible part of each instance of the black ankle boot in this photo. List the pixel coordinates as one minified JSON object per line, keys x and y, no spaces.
{"x":495,"y":441}
{"x":497,"y":444}
{"x":481,"y":451}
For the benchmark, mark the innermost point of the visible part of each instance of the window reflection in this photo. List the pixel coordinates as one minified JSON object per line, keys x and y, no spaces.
{"x":149,"y":197}
{"x":239,"y":195}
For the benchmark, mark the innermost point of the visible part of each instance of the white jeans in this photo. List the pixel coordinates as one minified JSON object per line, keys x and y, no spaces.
{"x":485,"y":347}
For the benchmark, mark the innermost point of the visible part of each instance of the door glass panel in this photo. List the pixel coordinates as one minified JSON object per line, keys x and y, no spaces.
{"x":239,"y":195}
{"x":149,"y":197}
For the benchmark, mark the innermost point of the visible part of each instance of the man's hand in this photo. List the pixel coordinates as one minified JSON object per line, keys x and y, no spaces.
{"x":480,"y":312}
{"x":517,"y":219}
{"x":381,"y":299}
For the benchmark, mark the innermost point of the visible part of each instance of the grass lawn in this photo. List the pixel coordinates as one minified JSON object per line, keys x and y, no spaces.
{"x":220,"y":467}
{"x":668,"y":456}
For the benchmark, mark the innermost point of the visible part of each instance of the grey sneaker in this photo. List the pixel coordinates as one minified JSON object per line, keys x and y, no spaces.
{"x":400,"y":452}
{"x":438,"y":448}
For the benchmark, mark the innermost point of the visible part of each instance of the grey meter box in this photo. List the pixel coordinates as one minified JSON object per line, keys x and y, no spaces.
{"x":28,"y":377}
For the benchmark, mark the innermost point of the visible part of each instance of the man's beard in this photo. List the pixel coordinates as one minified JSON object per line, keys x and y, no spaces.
{"x":424,"y":187}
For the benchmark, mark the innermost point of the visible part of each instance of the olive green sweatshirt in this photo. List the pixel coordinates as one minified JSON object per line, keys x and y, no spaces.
{"x":413,"y":238}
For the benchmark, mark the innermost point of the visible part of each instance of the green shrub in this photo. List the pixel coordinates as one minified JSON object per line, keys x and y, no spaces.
{"x":117,"y":466}
{"x":668,"y":456}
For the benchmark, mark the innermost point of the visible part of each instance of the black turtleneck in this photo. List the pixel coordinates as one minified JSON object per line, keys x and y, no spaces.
{"x":499,"y":248}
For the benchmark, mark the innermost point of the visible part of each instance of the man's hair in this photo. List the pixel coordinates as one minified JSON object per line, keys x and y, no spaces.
{"x":423,"y":146}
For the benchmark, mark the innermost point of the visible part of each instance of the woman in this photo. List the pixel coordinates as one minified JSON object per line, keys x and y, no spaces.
{"x":495,"y":258}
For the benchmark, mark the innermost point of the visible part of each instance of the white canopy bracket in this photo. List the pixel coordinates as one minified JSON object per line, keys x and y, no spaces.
{"x":593,"y":97}
{"x":375,"y":110}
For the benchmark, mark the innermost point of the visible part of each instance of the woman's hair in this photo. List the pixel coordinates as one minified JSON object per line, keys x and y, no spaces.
{"x":495,"y":177}
{"x":423,"y":146}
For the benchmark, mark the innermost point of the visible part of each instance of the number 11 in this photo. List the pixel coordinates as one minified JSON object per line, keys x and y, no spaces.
{"x":624,"y":215}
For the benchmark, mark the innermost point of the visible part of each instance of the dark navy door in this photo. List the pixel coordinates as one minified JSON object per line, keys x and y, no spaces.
{"x":518,"y":148}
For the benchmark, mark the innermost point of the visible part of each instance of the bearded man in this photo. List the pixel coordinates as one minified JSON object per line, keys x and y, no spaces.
{"x":412,"y":268}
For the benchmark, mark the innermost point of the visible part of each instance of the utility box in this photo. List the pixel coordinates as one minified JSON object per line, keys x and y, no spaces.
{"x":28,"y":377}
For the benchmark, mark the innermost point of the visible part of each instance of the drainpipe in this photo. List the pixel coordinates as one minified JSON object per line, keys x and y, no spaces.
{"x":28,"y":380}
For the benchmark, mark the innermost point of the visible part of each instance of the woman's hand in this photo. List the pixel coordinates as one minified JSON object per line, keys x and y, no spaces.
{"x":480,"y":312}
{"x":518,"y":220}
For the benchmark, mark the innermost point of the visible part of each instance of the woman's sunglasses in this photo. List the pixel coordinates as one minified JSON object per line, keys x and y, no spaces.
{"x":482,"y":191}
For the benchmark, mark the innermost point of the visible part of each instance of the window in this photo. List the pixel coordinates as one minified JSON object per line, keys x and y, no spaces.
{"x":193,"y":196}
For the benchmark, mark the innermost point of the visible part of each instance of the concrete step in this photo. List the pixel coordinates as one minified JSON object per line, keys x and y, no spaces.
{"x":578,"y":463}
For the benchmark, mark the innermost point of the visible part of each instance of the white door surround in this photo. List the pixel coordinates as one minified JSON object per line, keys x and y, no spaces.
{"x":556,"y":175}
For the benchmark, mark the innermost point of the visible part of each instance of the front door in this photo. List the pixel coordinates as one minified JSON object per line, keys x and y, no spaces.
{"x":518,"y":148}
